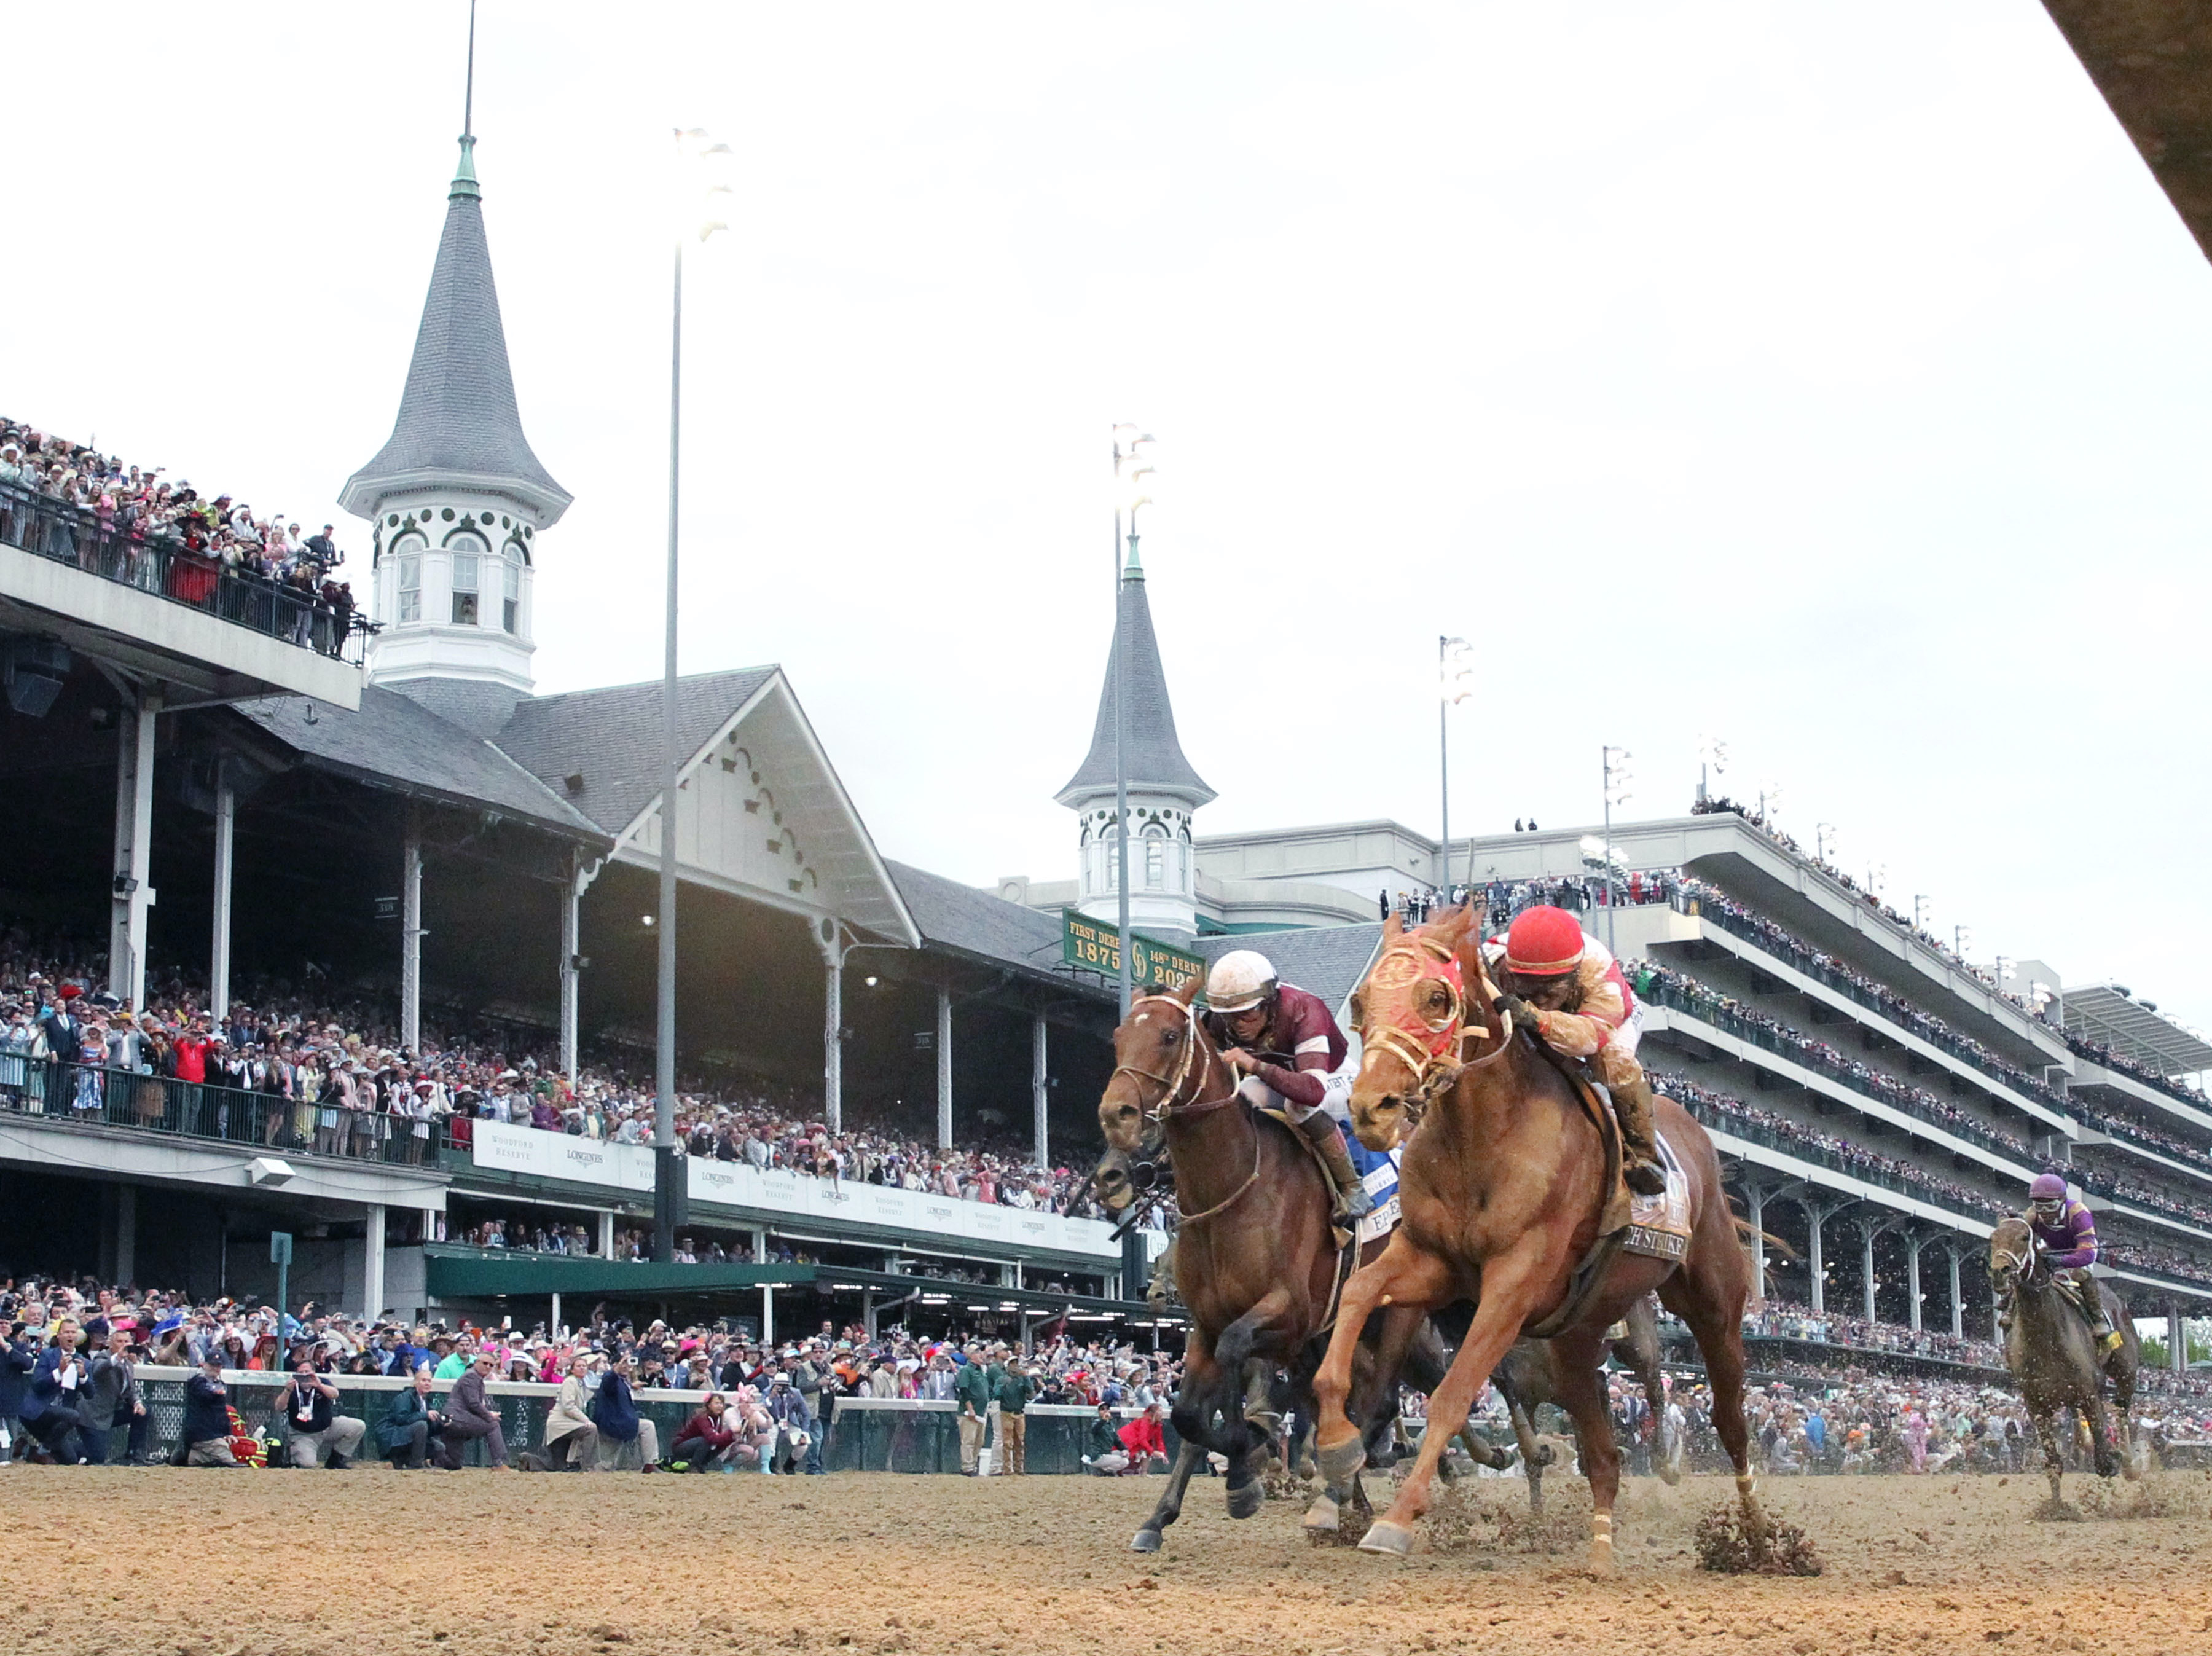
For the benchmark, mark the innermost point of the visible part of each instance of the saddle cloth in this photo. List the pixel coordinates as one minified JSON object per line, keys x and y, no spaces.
{"x":1378,"y":1173}
{"x":1659,"y":1225}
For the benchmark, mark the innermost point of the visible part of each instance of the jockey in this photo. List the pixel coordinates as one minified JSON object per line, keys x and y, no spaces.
{"x":1285,"y":1043}
{"x":2066,"y":1244}
{"x":1559,"y":981}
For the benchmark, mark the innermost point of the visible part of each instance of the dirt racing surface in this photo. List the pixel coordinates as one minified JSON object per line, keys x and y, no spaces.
{"x":241,"y":1563}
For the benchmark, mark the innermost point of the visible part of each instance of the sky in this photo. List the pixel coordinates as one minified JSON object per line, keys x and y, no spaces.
{"x":1829,"y":379}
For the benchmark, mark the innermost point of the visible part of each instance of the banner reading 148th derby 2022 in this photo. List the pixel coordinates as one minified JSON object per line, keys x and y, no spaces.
{"x":1095,"y":946}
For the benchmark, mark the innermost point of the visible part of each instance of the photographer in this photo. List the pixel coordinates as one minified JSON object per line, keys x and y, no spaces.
{"x":308,"y":1404}
{"x":207,"y":1416}
{"x":112,"y":1399}
{"x":51,"y":1406}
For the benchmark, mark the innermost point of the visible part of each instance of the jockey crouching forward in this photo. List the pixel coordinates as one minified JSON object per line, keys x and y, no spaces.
{"x":2066,"y":1247}
{"x":1285,"y":1044}
{"x":1559,"y":981}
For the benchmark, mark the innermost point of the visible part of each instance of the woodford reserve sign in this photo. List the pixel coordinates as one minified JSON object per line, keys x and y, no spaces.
{"x":1095,"y":946}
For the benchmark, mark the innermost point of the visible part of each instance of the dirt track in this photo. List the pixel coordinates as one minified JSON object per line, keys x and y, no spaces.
{"x":473,"y":1563}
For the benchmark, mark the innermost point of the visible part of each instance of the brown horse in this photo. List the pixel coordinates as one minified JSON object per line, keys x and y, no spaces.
{"x":1500,"y":1193}
{"x":1256,"y":1257}
{"x":2055,"y":1360}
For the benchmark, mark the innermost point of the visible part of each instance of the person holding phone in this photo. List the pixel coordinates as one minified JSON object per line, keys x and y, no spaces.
{"x":308,"y":1404}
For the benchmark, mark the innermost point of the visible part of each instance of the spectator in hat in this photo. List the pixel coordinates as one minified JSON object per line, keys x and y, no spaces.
{"x":112,"y":1399}
{"x":470,"y":1414}
{"x":625,"y":1434}
{"x":571,"y":1438}
{"x":1102,"y":1445}
{"x":971,"y":1396}
{"x":309,"y":1404}
{"x":207,"y":1415}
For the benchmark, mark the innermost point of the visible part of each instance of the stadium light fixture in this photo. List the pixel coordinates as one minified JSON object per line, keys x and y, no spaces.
{"x":1454,"y":683}
{"x":1614,"y":764}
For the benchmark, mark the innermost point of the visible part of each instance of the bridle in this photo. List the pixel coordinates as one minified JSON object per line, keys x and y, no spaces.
{"x":1433,"y":1052}
{"x":1169,"y":1107}
{"x":2022,"y":1264}
{"x":1174,"y":1085}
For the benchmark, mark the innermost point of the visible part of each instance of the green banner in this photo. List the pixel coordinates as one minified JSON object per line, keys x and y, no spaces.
{"x":1095,"y":946}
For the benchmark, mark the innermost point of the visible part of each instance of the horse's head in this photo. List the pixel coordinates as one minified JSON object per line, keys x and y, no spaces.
{"x":1411,"y":1012}
{"x":1155,"y":1052}
{"x":2012,"y":1256}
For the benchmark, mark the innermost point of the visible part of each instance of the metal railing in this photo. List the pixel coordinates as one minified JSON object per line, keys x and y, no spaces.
{"x":1895,"y":1095}
{"x":163,"y":565}
{"x":1812,"y":1151}
{"x":93,"y":1095}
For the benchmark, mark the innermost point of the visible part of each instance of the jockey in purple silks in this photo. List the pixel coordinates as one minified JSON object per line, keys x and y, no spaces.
{"x":2066,"y":1247}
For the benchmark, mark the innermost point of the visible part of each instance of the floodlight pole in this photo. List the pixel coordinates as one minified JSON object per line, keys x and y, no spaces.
{"x":1443,"y":770}
{"x":666,"y":1169}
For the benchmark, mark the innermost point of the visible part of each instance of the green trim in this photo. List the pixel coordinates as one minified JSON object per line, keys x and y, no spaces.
{"x":451,"y":1272}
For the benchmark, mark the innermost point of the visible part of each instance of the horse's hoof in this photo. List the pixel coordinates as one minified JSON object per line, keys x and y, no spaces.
{"x":1147,"y":1541}
{"x":1600,"y":1558}
{"x":1245,"y":1500}
{"x":1384,"y":1537}
{"x":1322,"y":1515}
{"x":1340,"y":1465}
{"x":1670,"y":1474}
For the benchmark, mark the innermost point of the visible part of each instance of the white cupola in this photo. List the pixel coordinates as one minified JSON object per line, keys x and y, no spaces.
{"x":457,"y":498}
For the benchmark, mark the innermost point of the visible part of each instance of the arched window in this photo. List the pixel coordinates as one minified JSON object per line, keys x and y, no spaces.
{"x":468,"y":551}
{"x":407,"y":563}
{"x":510,"y":609}
{"x":1156,"y":858}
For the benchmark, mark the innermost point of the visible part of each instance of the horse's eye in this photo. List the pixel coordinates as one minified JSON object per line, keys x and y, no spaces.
{"x":1439,"y":999}
{"x":1172,"y":1036}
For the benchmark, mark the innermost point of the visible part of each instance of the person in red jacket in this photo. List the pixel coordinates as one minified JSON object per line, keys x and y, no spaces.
{"x":707,"y":1441}
{"x":1143,"y":1441}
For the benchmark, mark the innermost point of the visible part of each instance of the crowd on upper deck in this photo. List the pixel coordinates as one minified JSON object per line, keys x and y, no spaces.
{"x":130,"y":510}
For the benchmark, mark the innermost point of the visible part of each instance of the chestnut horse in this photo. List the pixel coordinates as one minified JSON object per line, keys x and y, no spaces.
{"x":1256,"y":1257}
{"x":1500,"y":1191}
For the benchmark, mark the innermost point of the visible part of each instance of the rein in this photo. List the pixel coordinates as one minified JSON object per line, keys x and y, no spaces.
{"x":1168,"y":1108}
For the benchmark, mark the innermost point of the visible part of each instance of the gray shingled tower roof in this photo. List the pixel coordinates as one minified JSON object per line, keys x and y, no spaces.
{"x":458,"y":424}
{"x":1156,"y":763}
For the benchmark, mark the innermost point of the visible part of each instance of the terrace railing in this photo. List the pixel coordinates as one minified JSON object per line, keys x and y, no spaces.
{"x":163,"y":566}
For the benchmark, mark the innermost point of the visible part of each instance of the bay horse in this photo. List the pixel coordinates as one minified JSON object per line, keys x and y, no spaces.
{"x":1256,"y":1261}
{"x":1532,"y":1374}
{"x":1501,"y":1190}
{"x":2054,"y":1358}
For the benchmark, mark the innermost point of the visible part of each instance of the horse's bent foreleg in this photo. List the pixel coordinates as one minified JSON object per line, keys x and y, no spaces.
{"x":1401,"y":1273}
{"x":1171,"y":1505}
{"x":1507,"y":1294}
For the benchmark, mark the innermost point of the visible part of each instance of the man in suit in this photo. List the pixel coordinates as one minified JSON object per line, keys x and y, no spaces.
{"x":57,"y":1385}
{"x":470,"y":1414}
{"x":112,"y":1399}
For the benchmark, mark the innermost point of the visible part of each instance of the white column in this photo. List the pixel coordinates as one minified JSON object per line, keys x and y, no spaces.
{"x":1912,"y":1246}
{"x":553,"y":1326}
{"x":607,"y":1234}
{"x":1754,"y":1208}
{"x":134,"y":845}
{"x":410,"y":932}
{"x":1814,"y":1215}
{"x":2177,"y":1338}
{"x":127,"y":1233}
{"x":832,"y":1038}
{"x":572,"y":928}
{"x":372,"y":1261}
{"x":1868,"y":1230}
{"x":1040,"y":1088}
{"x":945,"y":1069}
{"x":226,"y":822}
{"x":1957,"y":1304}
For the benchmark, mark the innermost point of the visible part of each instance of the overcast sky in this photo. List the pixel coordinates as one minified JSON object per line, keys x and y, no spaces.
{"x":1830,"y":378}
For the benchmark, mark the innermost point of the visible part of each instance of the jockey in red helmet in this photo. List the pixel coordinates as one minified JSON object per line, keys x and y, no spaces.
{"x":1285,"y":1043}
{"x":2066,"y":1247}
{"x":1563,"y":984}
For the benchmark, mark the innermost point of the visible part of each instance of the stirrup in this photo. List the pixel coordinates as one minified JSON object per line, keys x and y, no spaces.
{"x":1352,"y":1201}
{"x":1646,"y":1177}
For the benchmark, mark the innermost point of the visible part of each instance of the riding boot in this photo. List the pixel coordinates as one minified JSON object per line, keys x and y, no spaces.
{"x":1351,"y":1198}
{"x":1639,"y":1153}
{"x":2100,"y":1326}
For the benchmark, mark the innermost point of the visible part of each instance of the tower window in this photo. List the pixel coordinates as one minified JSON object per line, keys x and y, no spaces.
{"x":1156,"y":863}
{"x":511,"y":594}
{"x":464,"y":589}
{"x":410,"y":588}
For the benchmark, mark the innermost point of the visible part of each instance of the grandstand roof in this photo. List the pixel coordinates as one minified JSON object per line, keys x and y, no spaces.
{"x":394,"y":741}
{"x":2107,"y":1013}
{"x":985,"y":927}
{"x":2152,"y":61}
{"x":458,"y":425}
{"x":1154,"y":755}
{"x":1325,"y":960}
{"x":611,"y":737}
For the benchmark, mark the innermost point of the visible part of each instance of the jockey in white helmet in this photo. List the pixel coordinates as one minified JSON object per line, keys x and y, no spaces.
{"x":1285,"y":1043}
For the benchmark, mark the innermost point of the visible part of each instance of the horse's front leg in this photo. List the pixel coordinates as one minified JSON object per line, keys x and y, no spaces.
{"x":1511,"y":1285}
{"x":1401,"y":1274}
{"x":2046,"y":1434}
{"x":1171,"y":1503}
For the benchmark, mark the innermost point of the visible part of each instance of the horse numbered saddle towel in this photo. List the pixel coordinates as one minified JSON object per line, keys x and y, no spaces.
{"x":1378,"y":1173}
{"x":1659,"y":1225}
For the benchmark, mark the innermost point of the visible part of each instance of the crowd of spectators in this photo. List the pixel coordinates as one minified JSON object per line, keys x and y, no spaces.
{"x":1671,"y":987}
{"x":132,"y":524}
{"x":2156,"y":1257}
{"x":1726,"y":1111}
{"x":2098,"y":1053}
{"x":1779,"y":1319}
{"x":330,"y":1075}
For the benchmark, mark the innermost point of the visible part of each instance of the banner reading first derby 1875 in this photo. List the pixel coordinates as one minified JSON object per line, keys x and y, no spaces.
{"x":1095,"y":946}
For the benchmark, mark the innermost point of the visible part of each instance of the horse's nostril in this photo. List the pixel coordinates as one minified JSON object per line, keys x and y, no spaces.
{"x":1144,"y":1175}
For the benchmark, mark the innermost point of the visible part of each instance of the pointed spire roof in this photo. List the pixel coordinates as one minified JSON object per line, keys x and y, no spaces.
{"x":458,"y":425}
{"x":1156,"y":764}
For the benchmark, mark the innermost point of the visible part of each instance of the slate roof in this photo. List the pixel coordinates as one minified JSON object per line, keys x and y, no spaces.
{"x":1155,"y":756}
{"x":613,"y":737}
{"x":1327,"y":960}
{"x":458,"y":419}
{"x":392,"y":739}
{"x":982,"y":924}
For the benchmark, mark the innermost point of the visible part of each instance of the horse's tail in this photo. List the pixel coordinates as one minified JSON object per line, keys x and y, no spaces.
{"x":1747,"y":1230}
